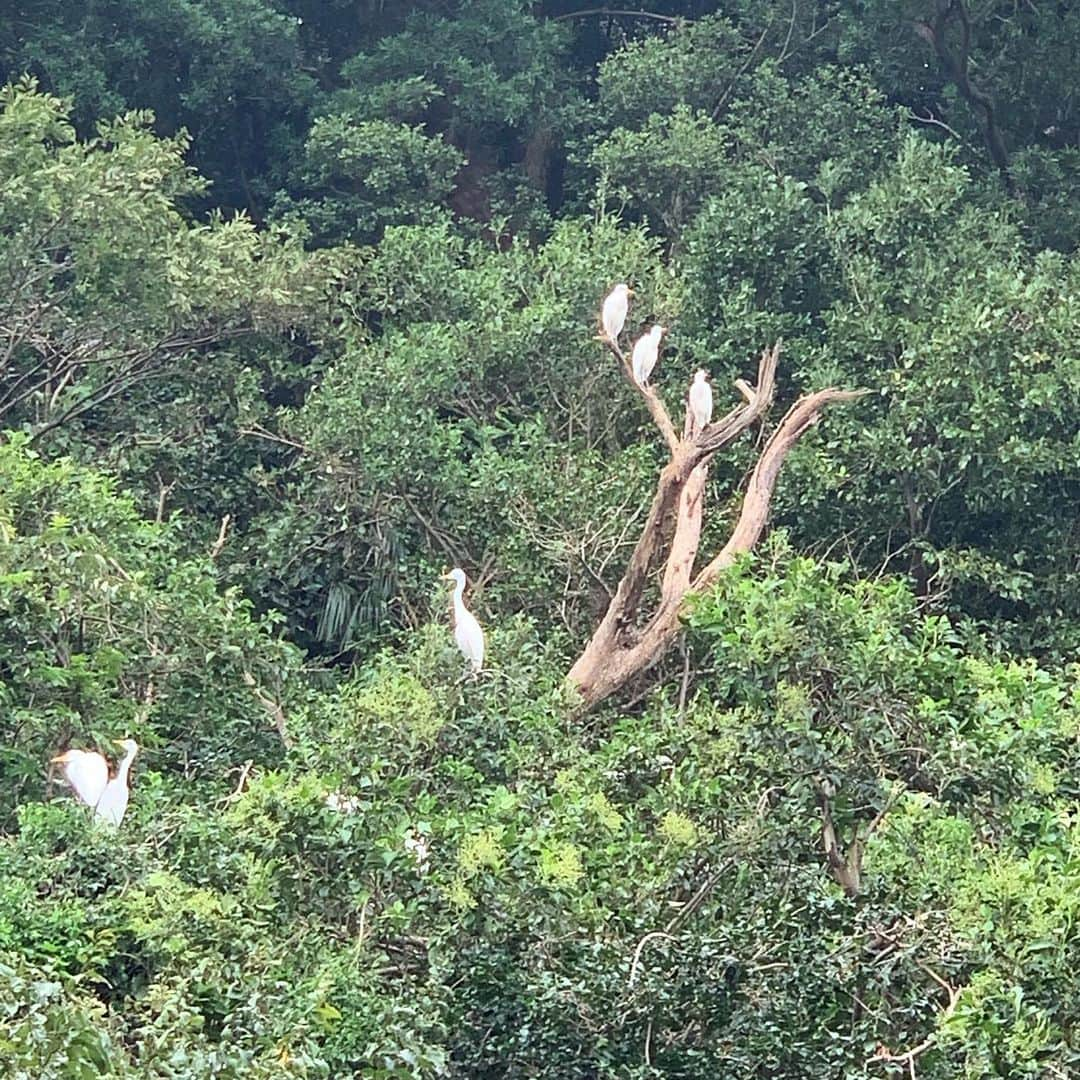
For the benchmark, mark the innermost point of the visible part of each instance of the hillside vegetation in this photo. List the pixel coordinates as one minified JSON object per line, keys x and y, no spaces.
{"x":299,"y":309}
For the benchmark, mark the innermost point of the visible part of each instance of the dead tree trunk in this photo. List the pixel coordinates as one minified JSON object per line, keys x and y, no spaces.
{"x":628,"y":641}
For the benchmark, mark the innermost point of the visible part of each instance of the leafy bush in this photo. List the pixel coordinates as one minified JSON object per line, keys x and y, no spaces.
{"x":837,"y":837}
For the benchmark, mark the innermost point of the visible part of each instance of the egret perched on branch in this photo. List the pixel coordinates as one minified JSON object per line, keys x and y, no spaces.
{"x":701,"y":400}
{"x":88,"y":773}
{"x":467,"y":631}
{"x":613,"y":313}
{"x":646,"y":350}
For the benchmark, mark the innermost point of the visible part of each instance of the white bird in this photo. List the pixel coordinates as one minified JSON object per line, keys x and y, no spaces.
{"x":645,"y":354}
{"x":88,"y":773}
{"x":467,"y":631}
{"x":701,"y":400}
{"x":613,"y":313}
{"x":416,"y":844}
{"x":342,"y":804}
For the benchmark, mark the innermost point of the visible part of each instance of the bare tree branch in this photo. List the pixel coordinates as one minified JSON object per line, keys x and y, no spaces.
{"x":273,"y":708}
{"x":956,"y":65}
{"x":677,"y":19}
{"x":623,"y":645}
{"x":222,"y":535}
{"x":907,"y":1057}
{"x":652,"y":399}
{"x":803,"y":415}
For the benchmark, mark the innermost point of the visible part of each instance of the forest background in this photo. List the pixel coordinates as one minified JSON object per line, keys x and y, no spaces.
{"x":298,"y":309}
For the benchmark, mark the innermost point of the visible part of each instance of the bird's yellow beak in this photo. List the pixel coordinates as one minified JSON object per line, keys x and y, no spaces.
{"x":444,"y":577}
{"x":61,"y":758}
{"x":119,"y":742}
{"x":631,"y":292}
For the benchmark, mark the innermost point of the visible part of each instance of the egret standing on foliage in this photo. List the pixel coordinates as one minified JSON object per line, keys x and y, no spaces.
{"x":467,"y":631}
{"x":701,"y":400}
{"x":88,"y":773}
{"x":613,"y":313}
{"x":645,"y":354}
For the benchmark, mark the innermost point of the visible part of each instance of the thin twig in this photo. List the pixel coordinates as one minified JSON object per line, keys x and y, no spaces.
{"x":273,"y":709}
{"x":163,"y":494}
{"x":685,"y":684}
{"x":261,"y":433}
{"x":219,"y":543}
{"x":653,"y":402}
{"x":241,"y":783}
{"x":908,"y":1056}
{"x":933,"y":120}
{"x":617,"y":12}
{"x":742,"y":71}
{"x":635,"y":963}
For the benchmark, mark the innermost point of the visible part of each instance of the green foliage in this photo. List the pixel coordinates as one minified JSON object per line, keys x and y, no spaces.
{"x":513,"y":86}
{"x":230,"y":73}
{"x":384,"y":895}
{"x":108,"y":632}
{"x":761,"y":267}
{"x":398,"y":459}
{"x":696,"y":66}
{"x":838,"y":838}
{"x":971,"y":350}
{"x":46,"y":1034}
{"x":365,"y":175}
{"x":667,"y":168}
{"x":108,"y":285}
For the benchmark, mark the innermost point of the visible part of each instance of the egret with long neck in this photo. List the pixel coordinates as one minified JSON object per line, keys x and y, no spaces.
{"x":88,"y":773}
{"x":467,"y":631}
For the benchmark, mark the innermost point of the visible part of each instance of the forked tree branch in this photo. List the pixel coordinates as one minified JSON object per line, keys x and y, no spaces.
{"x":957,"y":67}
{"x":625,"y":644}
{"x":686,"y":457}
{"x":755,"y":509}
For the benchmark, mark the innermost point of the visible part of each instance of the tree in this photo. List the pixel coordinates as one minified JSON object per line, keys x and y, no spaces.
{"x":232,"y":75}
{"x":109,"y":627}
{"x":841,"y":841}
{"x":355,"y":178}
{"x":107,"y":287}
{"x":626,"y":644}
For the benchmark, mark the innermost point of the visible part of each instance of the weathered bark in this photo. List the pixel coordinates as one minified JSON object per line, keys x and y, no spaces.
{"x":845,"y":867}
{"x":626,"y":644}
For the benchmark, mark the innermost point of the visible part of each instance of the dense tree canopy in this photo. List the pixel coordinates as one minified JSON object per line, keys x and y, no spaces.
{"x":298,"y":309}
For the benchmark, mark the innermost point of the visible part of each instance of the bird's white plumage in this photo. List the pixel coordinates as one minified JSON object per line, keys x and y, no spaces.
{"x":701,"y":403}
{"x":613,"y":313}
{"x":88,"y":773}
{"x":646,"y":352}
{"x":467,"y":631}
{"x":113,"y":803}
{"x":342,"y":804}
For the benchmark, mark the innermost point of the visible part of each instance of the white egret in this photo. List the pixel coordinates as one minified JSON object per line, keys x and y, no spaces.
{"x":467,"y":631}
{"x":416,"y":844}
{"x":613,"y":313}
{"x":645,"y":354}
{"x":342,"y":804}
{"x":88,"y":773}
{"x":701,"y":400}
